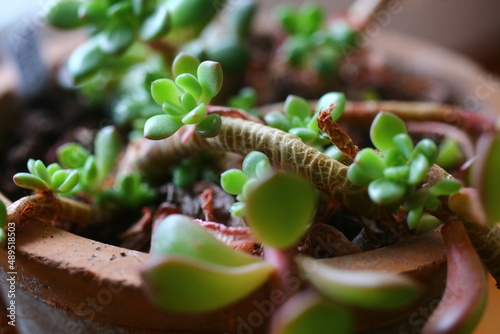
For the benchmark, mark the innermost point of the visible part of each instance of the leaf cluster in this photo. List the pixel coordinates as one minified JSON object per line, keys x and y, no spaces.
{"x":184,"y":98}
{"x":394,"y":174}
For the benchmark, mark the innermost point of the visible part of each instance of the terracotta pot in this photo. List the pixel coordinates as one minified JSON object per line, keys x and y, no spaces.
{"x":70,"y":284}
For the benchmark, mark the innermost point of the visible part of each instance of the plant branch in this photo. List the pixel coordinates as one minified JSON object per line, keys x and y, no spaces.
{"x":51,"y":207}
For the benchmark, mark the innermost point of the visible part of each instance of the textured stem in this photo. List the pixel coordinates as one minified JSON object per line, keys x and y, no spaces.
{"x":240,"y":136}
{"x":51,"y":207}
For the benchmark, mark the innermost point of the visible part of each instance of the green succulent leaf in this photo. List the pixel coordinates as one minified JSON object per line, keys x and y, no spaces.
{"x":116,"y":37}
{"x":164,"y":90}
{"x":190,"y":84}
{"x":418,"y":169}
{"x":428,"y":148}
{"x":277,"y":120}
{"x":252,"y":162}
{"x":210,"y":76}
{"x":414,"y":217}
{"x":187,"y":285}
{"x":384,"y":128}
{"x":304,"y":134}
{"x":450,"y":154}
{"x":106,"y":150}
{"x":30,"y":181}
{"x":196,"y":115}
{"x":86,"y":60}
{"x":156,"y":25}
{"x":385,"y":191}
{"x":89,"y":172}
{"x":404,"y":144}
{"x":64,"y":14}
{"x":58,"y":178}
{"x":308,"y":313}
{"x":93,"y":12}
{"x":297,"y":107}
{"x":333,"y":98}
{"x":161,"y":126}
{"x":233,"y":180}
{"x":398,"y":173}
{"x":180,"y":235}
{"x":185,"y":63}
{"x":446,"y":187}
{"x":363,"y":288}
{"x":427,"y":223}
{"x":367,"y":166}
{"x":72,"y":155}
{"x":209,"y":127}
{"x":70,"y":182}
{"x":279,"y":209}
{"x":237,"y":209}
{"x":41,"y":171}
{"x":242,"y":17}
{"x":188,"y":102}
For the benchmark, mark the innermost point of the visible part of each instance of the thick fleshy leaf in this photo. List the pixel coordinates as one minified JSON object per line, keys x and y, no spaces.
{"x":486,"y":176}
{"x":210,"y":76}
{"x":116,"y":37}
{"x":252,"y":160}
{"x":185,"y":285}
{"x":30,"y":181}
{"x":428,"y":148}
{"x":297,"y":106}
{"x":333,"y":98}
{"x":404,"y":143}
{"x":180,"y":235}
{"x":64,"y":14}
{"x":72,"y":155}
{"x":277,"y":120}
{"x":385,"y":191}
{"x":384,"y":128}
{"x":70,"y":182}
{"x":241,"y":17}
{"x":196,"y":115}
{"x":308,"y":313}
{"x":188,"y":102}
{"x":190,"y":84}
{"x":304,"y":134}
{"x":418,"y":169}
{"x":464,"y":298}
{"x":279,"y":209}
{"x":86,"y":60}
{"x":156,"y":25}
{"x":93,"y":12}
{"x":233,"y":180}
{"x":450,"y":154}
{"x":58,"y":178}
{"x":367,"y":166}
{"x":161,"y":126}
{"x":446,"y":187}
{"x":41,"y":171}
{"x":363,"y":288}
{"x":231,"y":54}
{"x":106,"y":150}
{"x":209,"y":127}
{"x":185,"y":63}
{"x":164,"y":90}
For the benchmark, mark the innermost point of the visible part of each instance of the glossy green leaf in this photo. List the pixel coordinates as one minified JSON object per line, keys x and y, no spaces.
{"x":303,"y":133}
{"x":190,"y":84}
{"x":393,"y":157}
{"x":93,"y":12}
{"x":363,"y":288}
{"x":188,"y":102}
{"x":428,"y":148}
{"x":89,"y":172}
{"x":427,"y":223}
{"x":252,"y":160}
{"x":156,"y":25}
{"x":210,"y":76}
{"x":367,"y":166}
{"x":173,"y":109}
{"x":185,"y":63}
{"x":333,"y":98}
{"x":288,"y":18}
{"x":58,"y":178}
{"x":41,"y":171}
{"x":277,"y":120}
{"x":209,"y":127}
{"x":414,"y":217}
{"x":180,"y":235}
{"x":233,"y":180}
{"x":233,"y":55}
{"x":418,"y":169}
{"x":70,"y":182}
{"x":308,"y":313}
{"x":30,"y":181}
{"x":64,"y":14}
{"x":31,"y":166}
{"x":187,"y":285}
{"x":450,"y":154}
{"x":297,"y":106}
{"x":385,"y":191}
{"x":53,"y":168}
{"x":106,"y":150}
{"x":161,"y":126}
{"x":279,"y":209}
{"x":196,"y":115}
{"x":164,"y":90}
{"x":311,"y":17}
{"x":432,"y":203}
{"x":72,"y":155}
{"x":86,"y":60}
{"x":193,"y":15}
{"x":384,"y":128}
{"x":446,"y":187}
{"x":398,"y":173}
{"x":121,"y":10}
{"x":237,"y":209}
{"x":486,"y":176}
{"x":116,"y":37}
{"x":404,"y":144}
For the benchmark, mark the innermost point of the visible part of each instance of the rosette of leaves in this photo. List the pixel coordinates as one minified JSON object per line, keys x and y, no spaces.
{"x":116,"y":25}
{"x":96,"y":169}
{"x":184,"y":98}
{"x":300,"y":120}
{"x":310,"y":42}
{"x":394,"y":173}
